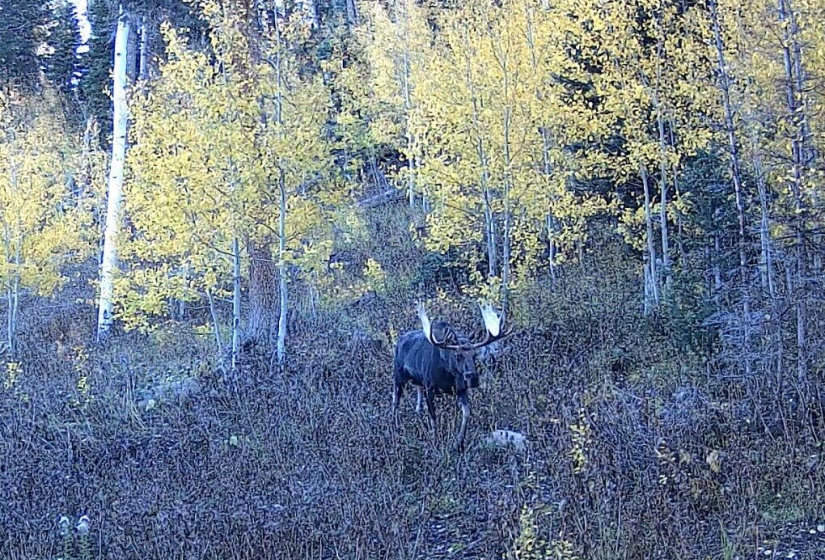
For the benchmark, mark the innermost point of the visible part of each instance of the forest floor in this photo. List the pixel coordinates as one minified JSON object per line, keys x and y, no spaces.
{"x":635,"y":448}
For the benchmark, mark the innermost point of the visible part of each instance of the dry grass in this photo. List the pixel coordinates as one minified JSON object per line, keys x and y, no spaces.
{"x":634,"y":452}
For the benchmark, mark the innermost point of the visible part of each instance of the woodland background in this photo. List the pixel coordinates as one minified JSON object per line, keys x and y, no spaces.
{"x":217,"y":216}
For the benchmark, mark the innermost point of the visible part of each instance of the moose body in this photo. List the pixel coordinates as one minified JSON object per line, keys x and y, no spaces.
{"x":425,"y":365}
{"x":440,"y":360}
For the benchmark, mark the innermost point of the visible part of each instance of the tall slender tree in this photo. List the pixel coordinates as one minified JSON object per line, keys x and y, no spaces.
{"x":116,"y":171}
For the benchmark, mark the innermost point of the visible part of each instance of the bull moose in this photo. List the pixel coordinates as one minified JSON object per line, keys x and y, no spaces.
{"x":440,"y":359}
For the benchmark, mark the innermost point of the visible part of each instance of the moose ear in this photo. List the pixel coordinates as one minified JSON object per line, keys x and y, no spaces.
{"x":492,"y":321}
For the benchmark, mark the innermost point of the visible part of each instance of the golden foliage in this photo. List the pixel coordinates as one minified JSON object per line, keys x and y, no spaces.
{"x":45,"y":218}
{"x":214,"y":145}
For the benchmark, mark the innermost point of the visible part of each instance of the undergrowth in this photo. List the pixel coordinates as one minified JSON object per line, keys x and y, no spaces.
{"x":143,"y":448}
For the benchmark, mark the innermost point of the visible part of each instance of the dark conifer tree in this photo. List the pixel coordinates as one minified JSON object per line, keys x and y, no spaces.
{"x":23,"y":28}
{"x":61,"y":64}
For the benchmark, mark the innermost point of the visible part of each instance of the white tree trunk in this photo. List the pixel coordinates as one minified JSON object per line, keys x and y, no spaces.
{"x":352,"y":12}
{"x":651,"y":249}
{"x":84,"y":186}
{"x":282,"y":272}
{"x":115,"y":195}
{"x":647,"y":291}
{"x":717,"y":271}
{"x":280,"y":345}
{"x":484,"y":179}
{"x":663,"y":199}
{"x":216,"y":326}
{"x":508,"y":187}
{"x":407,"y":90}
{"x":551,"y":240}
{"x":766,"y":257}
{"x":799,"y":155}
{"x":13,"y":294}
{"x":236,"y":302}
{"x":310,"y":12}
{"x":143,"y":70}
{"x":736,"y":176}
{"x":13,"y":283}
{"x":663,"y":165}
{"x":410,"y":169}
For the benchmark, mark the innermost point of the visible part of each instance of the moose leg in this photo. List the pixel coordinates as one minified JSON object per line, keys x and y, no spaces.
{"x":464,"y":405}
{"x":398,"y":389}
{"x":396,"y":398}
{"x":420,"y":392}
{"x":429,"y":393}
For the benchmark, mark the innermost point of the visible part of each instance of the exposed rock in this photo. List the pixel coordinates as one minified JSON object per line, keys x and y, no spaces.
{"x":178,"y":391}
{"x":506,"y":438}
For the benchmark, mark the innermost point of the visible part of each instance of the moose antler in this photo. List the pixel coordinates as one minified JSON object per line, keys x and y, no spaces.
{"x":494,"y":327}
{"x":426,"y":326}
{"x":493,"y":324}
{"x":449,"y":338}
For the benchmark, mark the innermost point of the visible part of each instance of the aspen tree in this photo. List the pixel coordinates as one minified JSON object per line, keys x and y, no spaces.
{"x":484,"y":158}
{"x":220,"y":159}
{"x":115,"y":189}
{"x":735,"y":174}
{"x":43,"y":224}
{"x":801,"y":157}
{"x":189,"y":164}
{"x":783,"y":112}
{"x":396,"y":43}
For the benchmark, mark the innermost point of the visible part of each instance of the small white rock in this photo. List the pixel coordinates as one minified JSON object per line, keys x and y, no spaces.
{"x":503,"y":438}
{"x":821,"y":528}
{"x":768,"y":552}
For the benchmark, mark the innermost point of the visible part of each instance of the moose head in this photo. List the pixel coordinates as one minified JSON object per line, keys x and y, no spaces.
{"x":440,"y":359}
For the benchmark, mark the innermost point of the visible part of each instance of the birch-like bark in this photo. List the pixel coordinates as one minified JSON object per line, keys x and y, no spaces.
{"x":11,"y":318}
{"x":551,"y":220}
{"x":489,"y":222}
{"x":660,"y":121}
{"x":503,"y":63}
{"x":352,"y":13}
{"x":13,"y":284}
{"x":676,"y":194}
{"x":310,"y":12}
{"x":280,"y":345}
{"x":766,"y":256}
{"x":647,"y":291}
{"x":115,"y":194}
{"x":216,"y":325}
{"x":663,"y":195}
{"x":489,"y":218}
{"x":133,"y":48}
{"x":651,"y":249}
{"x":85,"y":185}
{"x":410,"y":157}
{"x":794,"y":81}
{"x":717,"y":271}
{"x":736,"y":177}
{"x":13,"y":294}
{"x":282,"y":268}
{"x":407,"y":91}
{"x":545,"y":146}
{"x":551,"y":239}
{"x":508,"y":186}
{"x":236,"y":302}
{"x":143,"y":69}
